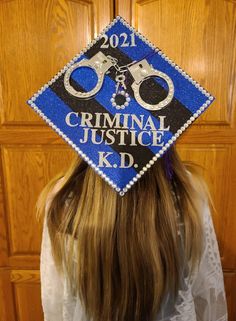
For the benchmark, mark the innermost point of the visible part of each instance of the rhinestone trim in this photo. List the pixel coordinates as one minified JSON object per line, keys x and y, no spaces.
{"x":170,"y":142}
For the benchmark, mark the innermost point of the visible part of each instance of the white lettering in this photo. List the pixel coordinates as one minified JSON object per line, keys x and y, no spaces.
{"x":103,"y":159}
{"x":68,"y":119}
{"x":122,"y":160}
{"x":85,"y":119}
{"x":162,"y":125}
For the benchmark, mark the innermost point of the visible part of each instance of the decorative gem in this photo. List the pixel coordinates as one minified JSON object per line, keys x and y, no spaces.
{"x":120,"y":100}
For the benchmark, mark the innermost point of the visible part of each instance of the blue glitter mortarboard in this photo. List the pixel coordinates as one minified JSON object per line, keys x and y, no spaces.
{"x":120,"y":103}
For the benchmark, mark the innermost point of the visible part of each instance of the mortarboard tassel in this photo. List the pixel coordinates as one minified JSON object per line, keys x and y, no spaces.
{"x":168,"y":166}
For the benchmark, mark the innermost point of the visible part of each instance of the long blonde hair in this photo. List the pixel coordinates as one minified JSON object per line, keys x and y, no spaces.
{"x":127,"y":249}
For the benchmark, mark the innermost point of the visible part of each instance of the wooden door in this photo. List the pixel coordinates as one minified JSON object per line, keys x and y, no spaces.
{"x":37,"y":39}
{"x":200,"y":36}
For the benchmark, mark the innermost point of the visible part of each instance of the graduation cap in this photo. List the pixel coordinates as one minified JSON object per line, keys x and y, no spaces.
{"x":120,"y":104}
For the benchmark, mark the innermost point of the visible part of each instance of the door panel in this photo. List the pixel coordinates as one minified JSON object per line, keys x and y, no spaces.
{"x":39,"y":38}
{"x":26,"y":288}
{"x":192,"y":33}
{"x":200,"y":37}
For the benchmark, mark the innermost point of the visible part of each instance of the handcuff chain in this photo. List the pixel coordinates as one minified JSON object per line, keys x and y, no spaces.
{"x":120,"y":72}
{"x":121,"y":69}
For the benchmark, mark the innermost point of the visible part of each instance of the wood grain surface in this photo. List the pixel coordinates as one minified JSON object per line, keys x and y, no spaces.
{"x":37,"y":39}
{"x":200,"y":36}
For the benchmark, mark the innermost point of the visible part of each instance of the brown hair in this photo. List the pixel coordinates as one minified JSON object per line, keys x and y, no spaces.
{"x":127,"y":248}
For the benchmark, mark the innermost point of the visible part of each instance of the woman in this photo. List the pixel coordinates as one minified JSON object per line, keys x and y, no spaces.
{"x":149,"y":255}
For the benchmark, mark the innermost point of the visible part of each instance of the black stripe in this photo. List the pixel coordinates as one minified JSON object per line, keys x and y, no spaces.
{"x":152,"y":92}
{"x":141,"y":154}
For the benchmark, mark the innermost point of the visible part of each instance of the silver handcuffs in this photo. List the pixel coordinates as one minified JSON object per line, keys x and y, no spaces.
{"x":100,"y":65}
{"x":140,"y":72}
